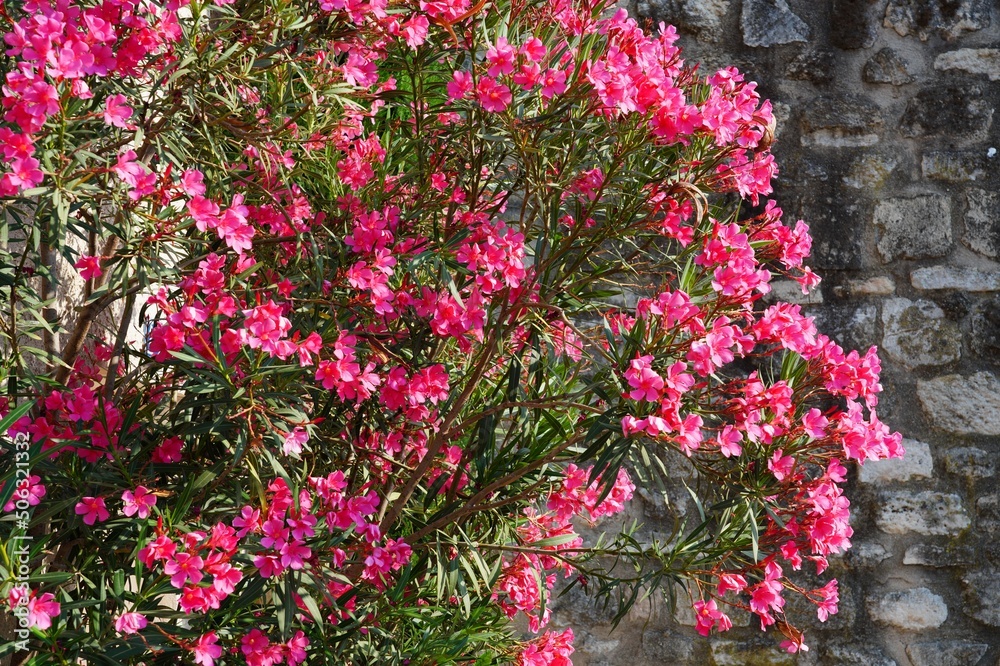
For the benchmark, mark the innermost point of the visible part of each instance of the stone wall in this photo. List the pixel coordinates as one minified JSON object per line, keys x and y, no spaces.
{"x":888,"y":148}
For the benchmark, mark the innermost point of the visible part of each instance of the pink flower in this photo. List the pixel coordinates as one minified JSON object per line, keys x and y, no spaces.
{"x":553,"y":83}
{"x":205,"y":650}
{"x":117,"y":112}
{"x":533,"y":49}
{"x":25,"y":173}
{"x":501,"y":58}
{"x":729,"y":441}
{"x":297,"y":645}
{"x":169,"y":451}
{"x":728,"y":581}
{"x":460,"y":85}
{"x":646,"y":383}
{"x":130,"y":623}
{"x":139,"y":502}
{"x":41,"y":610}
{"x":707,"y":614}
{"x":549,"y":649}
{"x":415,"y":30}
{"x":828,"y":598}
{"x":815,"y":423}
{"x":780,"y":465}
{"x":183,"y":567}
{"x":495,"y":97}
{"x":30,"y":489}
{"x":89,"y":267}
{"x":192,"y":183}
{"x":294,"y":440}
{"x":92,"y":509}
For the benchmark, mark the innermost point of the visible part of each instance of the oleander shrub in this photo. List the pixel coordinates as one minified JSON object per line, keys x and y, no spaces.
{"x":326,"y":326}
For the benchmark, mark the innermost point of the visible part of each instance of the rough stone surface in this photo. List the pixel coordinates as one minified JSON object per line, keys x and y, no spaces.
{"x":843,"y":121}
{"x":867,"y":555}
{"x":955,"y":166}
{"x":869,"y":172}
{"x":813,"y":66}
{"x":946,"y":109}
{"x":668,"y":647}
{"x":702,"y":18}
{"x":988,"y":513}
{"x":970,"y":462}
{"x":986,"y":330}
{"x":852,"y":327}
{"x":973,"y":61}
{"x":938,"y":557}
{"x":881,"y":285}
{"x":917,"y":333}
{"x":771,"y":22}
{"x":924,"y":512}
{"x":887,"y":66}
{"x":964,"y":405}
{"x":914,"y":609}
{"x":790,"y":291}
{"x":856,"y":25}
{"x":913,"y":228}
{"x":934,"y":278}
{"x":916,"y":464}
{"x":855,"y":655}
{"x":982,"y":596}
{"x":946,"y":653}
{"x":982,"y":222}
{"x":948,"y":18}
{"x":747,"y":653}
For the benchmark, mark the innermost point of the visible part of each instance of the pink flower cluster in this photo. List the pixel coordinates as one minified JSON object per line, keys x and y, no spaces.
{"x":57,"y":46}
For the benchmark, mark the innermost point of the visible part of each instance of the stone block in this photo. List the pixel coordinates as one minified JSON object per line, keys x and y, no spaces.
{"x":789,"y":291}
{"x":668,"y":647}
{"x":913,"y":610}
{"x":913,"y":228}
{"x":948,"y":110}
{"x":881,"y":285}
{"x":982,"y":223}
{"x":841,"y":121}
{"x":748,"y":653}
{"x":938,"y":557}
{"x":946,"y":653}
{"x":771,"y":22}
{"x":869,"y":172}
{"x":962,"y":405}
{"x":813,"y":66}
{"x":924,"y":512}
{"x":970,"y":462}
{"x":852,"y":327}
{"x":982,"y":596}
{"x":917,"y":334}
{"x":988,"y":513}
{"x":702,"y":18}
{"x":935,"y":278}
{"x":985,"y":337}
{"x":886,"y":66}
{"x":948,"y":18}
{"x":867,"y":555}
{"x":916,"y":464}
{"x":855,"y":654}
{"x":973,"y":61}
{"x":954,"y":166}
{"x":856,"y":24}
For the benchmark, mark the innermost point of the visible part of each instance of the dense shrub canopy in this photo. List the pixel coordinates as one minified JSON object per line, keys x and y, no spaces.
{"x":421,"y":286}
